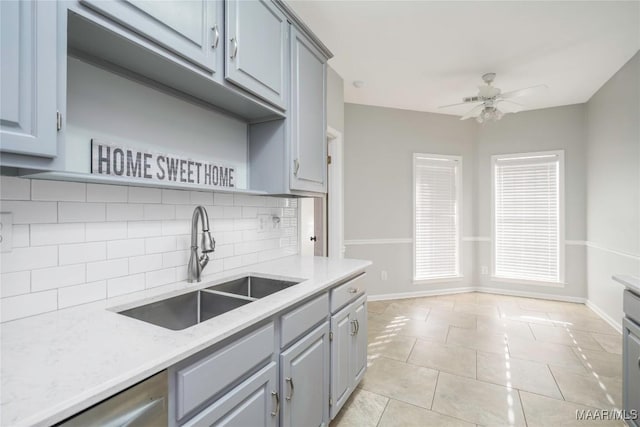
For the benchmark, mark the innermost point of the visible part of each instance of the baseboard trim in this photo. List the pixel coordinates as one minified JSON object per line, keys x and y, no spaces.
{"x":597,"y":310}
{"x":482,"y":289}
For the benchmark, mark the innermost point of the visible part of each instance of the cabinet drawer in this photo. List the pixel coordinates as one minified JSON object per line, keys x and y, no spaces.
{"x":200,"y":381}
{"x":303,"y":318}
{"x":631,"y":367}
{"x":632,"y":305}
{"x":346,"y":292}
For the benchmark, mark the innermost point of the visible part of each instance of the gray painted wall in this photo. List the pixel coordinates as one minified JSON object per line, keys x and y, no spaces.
{"x":538,"y":130}
{"x":379,"y":147}
{"x":335,"y":100}
{"x":613,"y":179}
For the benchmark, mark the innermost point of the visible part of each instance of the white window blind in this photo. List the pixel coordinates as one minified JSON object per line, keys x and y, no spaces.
{"x":528,"y":217}
{"x":436,"y":216}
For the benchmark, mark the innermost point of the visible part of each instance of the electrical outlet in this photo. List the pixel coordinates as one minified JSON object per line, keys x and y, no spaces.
{"x":264,"y":222}
{"x":6,"y":232}
{"x":484,"y":270}
{"x":383,"y":275}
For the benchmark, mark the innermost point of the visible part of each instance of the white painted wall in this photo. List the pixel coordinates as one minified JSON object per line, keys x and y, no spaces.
{"x":613,"y":179}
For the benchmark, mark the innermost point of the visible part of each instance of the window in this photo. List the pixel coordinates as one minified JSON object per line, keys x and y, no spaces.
{"x":528,"y":222}
{"x":436,"y":225}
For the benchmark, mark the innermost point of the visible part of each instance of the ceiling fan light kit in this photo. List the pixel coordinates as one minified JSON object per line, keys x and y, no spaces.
{"x":489,"y":97}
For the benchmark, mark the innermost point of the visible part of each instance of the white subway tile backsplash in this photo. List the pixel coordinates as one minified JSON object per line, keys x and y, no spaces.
{"x":28,"y":212}
{"x":107,"y":269}
{"x":125,"y":248}
{"x":21,"y":259}
{"x":81,"y":212}
{"x":159,"y":212}
{"x":142,"y":264}
{"x":106,"y":193}
{"x":82,"y":294}
{"x":28,"y":305}
{"x":57,"y":277}
{"x":16,"y":283}
{"x":145,"y":195}
{"x":86,"y":242}
{"x":144,"y":229}
{"x":125,"y":212}
{"x":176,"y":197}
{"x":106,"y":231}
{"x":20,"y":236}
{"x":55,"y":234}
{"x":174,"y":259}
{"x":82,"y":252}
{"x":157,"y":278}
{"x":201,"y":198}
{"x":58,"y":191}
{"x":157,"y":245}
{"x":223,"y":199}
{"x":13,"y":188}
{"x":176,"y":227}
{"x":125,"y":285}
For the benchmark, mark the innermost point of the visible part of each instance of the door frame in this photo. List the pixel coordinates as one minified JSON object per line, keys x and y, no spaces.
{"x":335,"y":197}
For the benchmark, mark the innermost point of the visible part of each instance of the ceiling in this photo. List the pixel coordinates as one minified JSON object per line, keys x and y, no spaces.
{"x":418,"y":55}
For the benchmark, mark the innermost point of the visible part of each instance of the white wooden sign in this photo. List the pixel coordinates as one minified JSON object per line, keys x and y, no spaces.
{"x":131,"y":163}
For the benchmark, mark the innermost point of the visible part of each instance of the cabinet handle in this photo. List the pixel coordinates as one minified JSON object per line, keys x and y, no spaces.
{"x":354,"y":290}
{"x":357,"y":326}
{"x":296,"y":167}
{"x":234,"y":41}
{"x":354,"y":329}
{"x":275,"y":394}
{"x":638,"y":362}
{"x":289,"y":380}
{"x":216,"y":36}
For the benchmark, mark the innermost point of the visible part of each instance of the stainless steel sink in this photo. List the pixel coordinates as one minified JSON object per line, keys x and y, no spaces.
{"x":186,"y":310}
{"x":252,"y":286}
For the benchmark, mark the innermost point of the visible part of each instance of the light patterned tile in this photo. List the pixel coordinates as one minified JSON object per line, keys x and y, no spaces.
{"x":553,"y":354}
{"x":400,"y":414}
{"x":391,"y":346}
{"x":447,"y":358}
{"x":611,"y":343}
{"x":362,"y":409}
{"x":477,"y":402}
{"x":483,"y":341}
{"x":600,"y":392}
{"x":564,"y":335}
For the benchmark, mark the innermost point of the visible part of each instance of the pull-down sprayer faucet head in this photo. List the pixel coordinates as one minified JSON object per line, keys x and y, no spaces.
{"x":208,"y":243}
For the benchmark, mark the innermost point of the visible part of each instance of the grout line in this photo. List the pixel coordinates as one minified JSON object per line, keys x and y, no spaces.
{"x":522,"y":408}
{"x":383,"y":411}
{"x":415,"y":341}
{"x":556,"y":382}
{"x":433,"y":398}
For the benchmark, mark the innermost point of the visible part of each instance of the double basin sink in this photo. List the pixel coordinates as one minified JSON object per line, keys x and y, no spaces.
{"x":183,"y":311}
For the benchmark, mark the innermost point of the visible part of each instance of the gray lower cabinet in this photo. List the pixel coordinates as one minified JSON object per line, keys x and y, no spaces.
{"x":631,"y":358}
{"x":348,"y":351}
{"x":253,"y":403}
{"x":189,"y":29}
{"x":304,"y":381}
{"x":29,"y":78}
{"x":256,"y":40}
{"x":308,"y":122}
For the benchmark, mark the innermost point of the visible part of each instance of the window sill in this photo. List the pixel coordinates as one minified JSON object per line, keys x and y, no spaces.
{"x":528,"y":282}
{"x":437,"y":280}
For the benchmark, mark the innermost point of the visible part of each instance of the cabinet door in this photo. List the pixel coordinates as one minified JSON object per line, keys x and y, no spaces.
{"x":308,"y":115}
{"x":28,"y":78}
{"x":359,"y":353}
{"x":304,"y":381}
{"x":253,"y":403}
{"x":341,"y":346}
{"x":256,"y":36}
{"x":189,"y":29}
{"x":631,"y":374}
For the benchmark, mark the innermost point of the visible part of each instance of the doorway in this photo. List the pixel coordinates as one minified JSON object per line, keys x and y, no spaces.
{"x":312,"y":226}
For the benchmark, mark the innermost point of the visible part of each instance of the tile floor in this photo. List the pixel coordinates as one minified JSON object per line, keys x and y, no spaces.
{"x":482,"y":359}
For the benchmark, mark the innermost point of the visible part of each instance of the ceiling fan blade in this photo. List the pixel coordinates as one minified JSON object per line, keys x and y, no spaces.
{"x":514,"y":107}
{"x":522,"y":92}
{"x":459,"y":103}
{"x":474,"y":111}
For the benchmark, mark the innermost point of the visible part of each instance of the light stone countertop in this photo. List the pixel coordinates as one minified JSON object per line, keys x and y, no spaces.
{"x":57,"y":364}
{"x":631,"y":282}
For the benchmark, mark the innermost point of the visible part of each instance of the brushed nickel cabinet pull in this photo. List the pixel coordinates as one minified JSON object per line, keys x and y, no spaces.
{"x":289,"y":381}
{"x":216,"y":36}
{"x":275,"y":395}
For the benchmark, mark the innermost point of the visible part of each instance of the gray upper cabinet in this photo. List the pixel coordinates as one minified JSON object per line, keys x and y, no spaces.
{"x":308,"y":116}
{"x":189,"y":29}
{"x":304,"y":380}
{"x":256,"y":40}
{"x":29,"y":78}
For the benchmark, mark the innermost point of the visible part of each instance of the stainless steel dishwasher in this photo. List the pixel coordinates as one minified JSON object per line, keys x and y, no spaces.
{"x":144,"y":404}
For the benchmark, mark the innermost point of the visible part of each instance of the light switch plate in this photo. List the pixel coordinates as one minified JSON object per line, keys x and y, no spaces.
{"x":6,"y":231}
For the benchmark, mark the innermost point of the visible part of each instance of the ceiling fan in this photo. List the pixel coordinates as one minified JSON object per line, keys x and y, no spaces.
{"x":488,"y":99}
